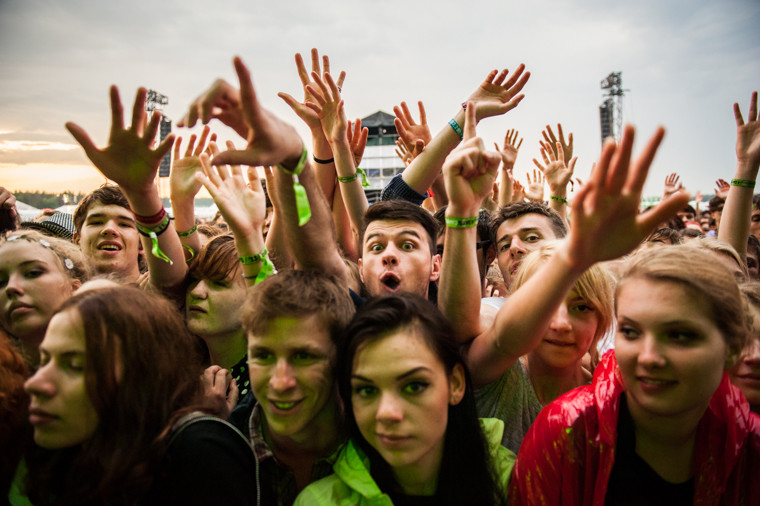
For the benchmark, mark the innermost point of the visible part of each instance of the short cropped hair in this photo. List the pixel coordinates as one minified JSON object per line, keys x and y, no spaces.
{"x":107,"y":195}
{"x":298,"y":294}
{"x":517,"y":209}
{"x":401,"y":210}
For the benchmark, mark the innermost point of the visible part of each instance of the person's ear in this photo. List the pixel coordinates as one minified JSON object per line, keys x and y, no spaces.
{"x":75,"y":284}
{"x":361,"y":270}
{"x":75,"y":239}
{"x":457,"y":385}
{"x":435,"y":263}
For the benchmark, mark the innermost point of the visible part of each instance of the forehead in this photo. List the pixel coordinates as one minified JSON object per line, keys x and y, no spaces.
{"x":530,"y":221}
{"x":391,"y":229}
{"x":286,"y":333}
{"x":394,"y":354}
{"x":97,"y":209}
{"x":65,"y":333}
{"x":22,"y":251}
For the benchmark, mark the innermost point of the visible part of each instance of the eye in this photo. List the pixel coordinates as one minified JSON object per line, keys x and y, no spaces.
{"x":582,"y":307}
{"x":222,"y":283}
{"x":407,"y":246}
{"x":261,"y":356}
{"x":416,"y":387}
{"x":76,"y":364}
{"x":682,"y":336}
{"x":532,"y":238}
{"x":303,"y":356}
{"x":505,"y":246}
{"x":365,"y":391}
{"x":34,"y":273}
{"x":127,"y":224}
{"x":629,"y":333}
{"x":376,"y":247}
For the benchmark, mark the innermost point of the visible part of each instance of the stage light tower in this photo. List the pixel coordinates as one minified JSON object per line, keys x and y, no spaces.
{"x":156,"y":100}
{"x":611,"y":110}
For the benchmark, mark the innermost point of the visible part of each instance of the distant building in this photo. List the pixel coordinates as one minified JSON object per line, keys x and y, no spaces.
{"x":380,"y":159}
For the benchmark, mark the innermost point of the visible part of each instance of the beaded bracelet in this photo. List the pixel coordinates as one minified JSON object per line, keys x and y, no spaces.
{"x":188,"y":233}
{"x":743,"y":183}
{"x":454,"y":125}
{"x":558,"y":199}
{"x":461,"y":222}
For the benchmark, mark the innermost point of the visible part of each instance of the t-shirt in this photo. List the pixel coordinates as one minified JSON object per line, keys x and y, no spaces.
{"x":510,"y":398}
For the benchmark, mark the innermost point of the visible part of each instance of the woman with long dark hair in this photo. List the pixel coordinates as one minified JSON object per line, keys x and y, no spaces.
{"x":117,"y":410}
{"x":415,"y":435}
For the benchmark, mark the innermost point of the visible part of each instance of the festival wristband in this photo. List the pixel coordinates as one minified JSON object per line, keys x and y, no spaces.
{"x":558,"y":199}
{"x":351,"y":179}
{"x":743,"y":183}
{"x":453,"y":123}
{"x":188,"y":233}
{"x":302,"y":201}
{"x":461,"y":222}
{"x":153,"y":233}
{"x":267,"y":267}
{"x":192,"y":253}
{"x":159,"y":216}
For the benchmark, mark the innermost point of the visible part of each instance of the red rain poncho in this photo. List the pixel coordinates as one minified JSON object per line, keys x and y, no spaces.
{"x":568,"y":454}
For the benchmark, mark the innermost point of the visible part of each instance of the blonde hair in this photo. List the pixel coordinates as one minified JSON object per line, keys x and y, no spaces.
{"x":70,"y":257}
{"x":595,"y":287}
{"x":697,"y":271}
{"x":716,"y":247}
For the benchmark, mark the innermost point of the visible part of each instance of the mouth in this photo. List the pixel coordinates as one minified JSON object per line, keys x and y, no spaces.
{"x":648,"y":382}
{"x":18,"y":309}
{"x":562,"y":344}
{"x":109,"y":246}
{"x":284,"y":406}
{"x":196,"y":309}
{"x":38,"y":416}
{"x":513,"y":268}
{"x":392,"y":440}
{"x":391,"y":281}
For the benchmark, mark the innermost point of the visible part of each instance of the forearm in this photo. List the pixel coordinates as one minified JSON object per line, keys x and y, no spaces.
{"x":347,"y":238}
{"x":184,"y":221}
{"x":505,"y":188}
{"x":277,"y":243}
{"x":424,"y":169}
{"x":325,"y":172}
{"x":558,"y":200}
{"x":354,"y":199}
{"x":737,"y":211}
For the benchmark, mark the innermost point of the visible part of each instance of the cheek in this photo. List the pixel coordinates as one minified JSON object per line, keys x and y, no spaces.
{"x":585,"y":329}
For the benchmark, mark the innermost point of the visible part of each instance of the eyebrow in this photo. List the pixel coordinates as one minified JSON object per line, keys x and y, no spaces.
{"x":381,"y":234}
{"x":118,"y":217}
{"x":399,"y":377}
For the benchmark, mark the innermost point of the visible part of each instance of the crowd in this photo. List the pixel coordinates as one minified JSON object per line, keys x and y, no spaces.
{"x":463,"y":341}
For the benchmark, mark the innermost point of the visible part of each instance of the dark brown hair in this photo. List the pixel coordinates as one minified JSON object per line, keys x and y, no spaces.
{"x":401,"y":210}
{"x":517,"y":209}
{"x":106,"y":195}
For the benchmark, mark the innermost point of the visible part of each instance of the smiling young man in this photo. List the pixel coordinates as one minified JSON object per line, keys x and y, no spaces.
{"x":106,"y":233}
{"x":293,"y":417}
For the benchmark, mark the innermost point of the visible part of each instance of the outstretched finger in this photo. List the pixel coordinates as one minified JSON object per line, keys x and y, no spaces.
{"x":83,"y":139}
{"x":254,"y":183}
{"x":619,"y":171}
{"x":202,"y":141}
{"x":117,"y":110}
{"x":738,"y":115}
{"x":152,"y":129}
{"x":301,"y":68}
{"x":341,"y":79}
{"x":423,"y":116}
{"x":469,"y":122}
{"x":407,"y":114}
{"x":138,"y":111}
{"x":752,"y":115}
{"x":210,"y":172}
{"x":644,"y":161}
{"x":251,"y":107}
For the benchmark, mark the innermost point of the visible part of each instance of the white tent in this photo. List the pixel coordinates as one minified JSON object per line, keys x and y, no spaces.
{"x":25,"y":211}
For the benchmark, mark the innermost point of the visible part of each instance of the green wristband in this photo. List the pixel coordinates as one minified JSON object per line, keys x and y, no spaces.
{"x":188,"y":233}
{"x":302,"y":201}
{"x":153,"y":233}
{"x":355,"y":176}
{"x":461,"y":222}
{"x":453,"y":123}
{"x":558,"y":199}
{"x":267,"y":267}
{"x":743,"y":183}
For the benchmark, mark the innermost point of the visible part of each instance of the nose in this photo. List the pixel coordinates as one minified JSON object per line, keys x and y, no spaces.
{"x":199,"y":291}
{"x":14,"y":288}
{"x":751,"y":353}
{"x":650,"y":355}
{"x":390,"y":255}
{"x":517,"y":248}
{"x":282,"y":377}
{"x":560,"y":321}
{"x":109,"y":228}
{"x":41,"y":384}
{"x":389,"y":409}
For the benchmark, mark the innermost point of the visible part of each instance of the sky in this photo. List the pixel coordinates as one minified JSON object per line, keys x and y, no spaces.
{"x":683,"y":62}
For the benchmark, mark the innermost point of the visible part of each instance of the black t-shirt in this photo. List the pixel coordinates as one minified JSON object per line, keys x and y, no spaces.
{"x":632,"y":481}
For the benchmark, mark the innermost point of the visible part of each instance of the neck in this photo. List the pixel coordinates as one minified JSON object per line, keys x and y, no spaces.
{"x":666,"y":443}
{"x":227,"y":350}
{"x":30,"y":349}
{"x":551,"y":382}
{"x":421,"y":478}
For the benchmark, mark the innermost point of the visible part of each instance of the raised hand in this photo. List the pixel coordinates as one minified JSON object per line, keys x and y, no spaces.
{"x":551,"y":141}
{"x":497,"y":94}
{"x":535,"y":189}
{"x":748,"y":134}
{"x":240,"y":199}
{"x":672,"y":184}
{"x":271,"y":141}
{"x":328,"y":107}
{"x":469,"y":171}
{"x":128,"y":159}
{"x":721,"y":188}
{"x":518,"y":191}
{"x":357,"y":139}
{"x":182,"y":181}
{"x":408,"y":130}
{"x":221,"y":101}
{"x":557,"y":173}
{"x":510,"y":148}
{"x":606,"y":223}
{"x":308,"y":115}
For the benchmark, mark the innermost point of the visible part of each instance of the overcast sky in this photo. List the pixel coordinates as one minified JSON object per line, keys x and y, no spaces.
{"x":684,"y":63}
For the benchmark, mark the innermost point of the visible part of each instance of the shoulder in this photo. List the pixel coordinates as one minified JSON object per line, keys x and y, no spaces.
{"x":206,"y":460}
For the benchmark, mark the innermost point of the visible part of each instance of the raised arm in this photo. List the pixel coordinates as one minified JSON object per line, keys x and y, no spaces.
{"x":273,"y":142}
{"x":322,"y":153}
{"x":737,"y":211}
{"x":558,"y":174}
{"x":508,"y":154}
{"x":183,"y":187}
{"x":329,"y":107}
{"x":469,"y":173}
{"x":606,"y":224}
{"x":130,"y":162}
{"x":498,"y":94}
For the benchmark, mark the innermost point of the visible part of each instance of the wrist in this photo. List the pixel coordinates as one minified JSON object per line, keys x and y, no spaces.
{"x":746,"y":170}
{"x":454,"y":211}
